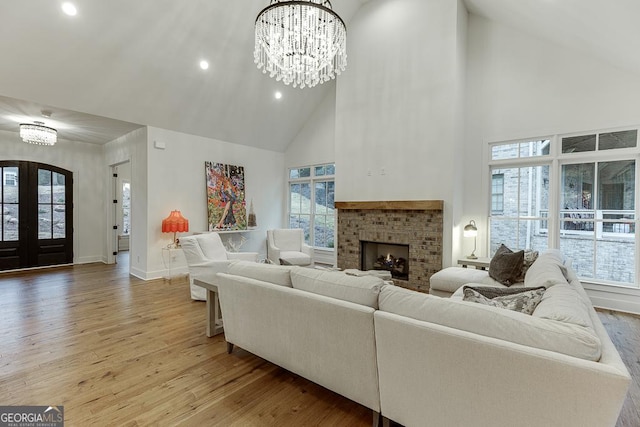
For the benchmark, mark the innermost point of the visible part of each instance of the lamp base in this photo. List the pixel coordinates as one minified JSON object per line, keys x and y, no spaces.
{"x":472,"y":256}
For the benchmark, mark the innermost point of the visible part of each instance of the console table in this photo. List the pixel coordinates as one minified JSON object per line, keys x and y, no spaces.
{"x":478,"y":263}
{"x":214,"y":315}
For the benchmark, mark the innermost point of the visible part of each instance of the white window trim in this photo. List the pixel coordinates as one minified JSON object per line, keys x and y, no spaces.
{"x":312,"y":179}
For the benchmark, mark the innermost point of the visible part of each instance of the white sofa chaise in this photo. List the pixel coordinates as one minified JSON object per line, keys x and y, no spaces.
{"x":422,"y":360}
{"x":317,"y":324}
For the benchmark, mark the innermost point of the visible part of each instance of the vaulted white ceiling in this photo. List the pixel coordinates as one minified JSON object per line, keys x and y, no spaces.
{"x":120,"y":64}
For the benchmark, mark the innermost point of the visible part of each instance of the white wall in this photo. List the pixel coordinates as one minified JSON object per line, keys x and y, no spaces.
{"x":131,"y":147}
{"x":84,"y":160}
{"x":176,"y":180}
{"x":398,"y":108}
{"x":315,"y":143}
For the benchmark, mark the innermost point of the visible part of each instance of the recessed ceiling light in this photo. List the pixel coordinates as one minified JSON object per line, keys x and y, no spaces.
{"x":278,"y":95}
{"x":69,"y":9}
{"x":204,"y":64}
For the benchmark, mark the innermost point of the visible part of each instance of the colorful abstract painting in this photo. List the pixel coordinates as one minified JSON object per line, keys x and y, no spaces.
{"x":226,"y":206}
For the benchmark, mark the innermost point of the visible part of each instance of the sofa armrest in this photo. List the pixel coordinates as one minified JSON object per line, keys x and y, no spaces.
{"x":245,"y":256}
{"x":207,"y":270}
{"x":273,"y":253}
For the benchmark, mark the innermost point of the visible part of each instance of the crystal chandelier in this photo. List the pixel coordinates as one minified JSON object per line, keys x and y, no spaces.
{"x":300,"y":42}
{"x":38,"y":133}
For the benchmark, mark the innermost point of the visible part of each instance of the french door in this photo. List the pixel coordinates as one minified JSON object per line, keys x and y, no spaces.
{"x":36,"y":201}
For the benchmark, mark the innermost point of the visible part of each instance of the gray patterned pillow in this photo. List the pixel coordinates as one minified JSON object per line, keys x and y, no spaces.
{"x":506,"y":265}
{"x":523,"y":302}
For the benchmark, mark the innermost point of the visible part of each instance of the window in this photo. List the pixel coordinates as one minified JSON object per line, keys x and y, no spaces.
{"x":497,"y":193}
{"x":311,"y":197}
{"x":589,"y":182}
{"x":126,"y":208}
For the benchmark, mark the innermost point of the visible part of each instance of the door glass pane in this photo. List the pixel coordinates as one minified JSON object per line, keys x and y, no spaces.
{"x":58,"y":186}
{"x":44,"y":186}
{"x":576,"y":144}
{"x":59,"y":221}
{"x":126,"y":208}
{"x":623,"y":139}
{"x":10,"y":222}
{"x":10,"y":185}
{"x":44,"y":221}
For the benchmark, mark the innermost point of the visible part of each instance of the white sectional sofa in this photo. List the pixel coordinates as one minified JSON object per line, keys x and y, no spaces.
{"x":421,"y":360}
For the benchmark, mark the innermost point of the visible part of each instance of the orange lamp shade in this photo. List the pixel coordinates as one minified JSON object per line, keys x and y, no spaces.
{"x":175,"y":222}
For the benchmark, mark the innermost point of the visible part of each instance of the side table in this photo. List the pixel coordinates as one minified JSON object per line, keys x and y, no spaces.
{"x":478,"y":263}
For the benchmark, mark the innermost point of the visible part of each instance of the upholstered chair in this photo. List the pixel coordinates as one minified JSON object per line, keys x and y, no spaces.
{"x":206,"y":256}
{"x":287,"y":247}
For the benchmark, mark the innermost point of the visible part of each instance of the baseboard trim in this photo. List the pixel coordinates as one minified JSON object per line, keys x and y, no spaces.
{"x":614,"y":298}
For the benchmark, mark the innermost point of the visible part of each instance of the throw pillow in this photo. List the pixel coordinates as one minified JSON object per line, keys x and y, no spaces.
{"x":494,"y":291}
{"x":529,"y":258}
{"x":506,"y":265}
{"x":523,"y":302}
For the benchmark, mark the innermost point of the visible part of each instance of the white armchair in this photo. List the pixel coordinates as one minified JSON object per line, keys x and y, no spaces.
{"x":287,"y":246}
{"x":206,"y":256}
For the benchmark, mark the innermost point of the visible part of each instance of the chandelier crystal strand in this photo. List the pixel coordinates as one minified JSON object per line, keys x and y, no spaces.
{"x":37,"y":133}
{"x":302,"y":43}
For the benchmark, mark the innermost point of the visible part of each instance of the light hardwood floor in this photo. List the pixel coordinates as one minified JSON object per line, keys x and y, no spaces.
{"x":115,"y":350}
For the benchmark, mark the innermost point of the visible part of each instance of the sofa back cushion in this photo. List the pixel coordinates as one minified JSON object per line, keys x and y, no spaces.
{"x":562,"y":302}
{"x":362,"y":290}
{"x":547,"y":270}
{"x":276,"y":274}
{"x":561,"y":337}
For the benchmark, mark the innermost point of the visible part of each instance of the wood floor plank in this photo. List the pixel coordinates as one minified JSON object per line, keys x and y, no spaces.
{"x":116,"y":350}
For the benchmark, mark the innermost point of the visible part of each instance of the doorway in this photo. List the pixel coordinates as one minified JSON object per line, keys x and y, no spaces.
{"x":121,"y":212}
{"x":36,"y":201}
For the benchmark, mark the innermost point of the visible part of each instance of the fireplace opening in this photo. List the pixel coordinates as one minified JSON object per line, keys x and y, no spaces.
{"x":385,"y":256}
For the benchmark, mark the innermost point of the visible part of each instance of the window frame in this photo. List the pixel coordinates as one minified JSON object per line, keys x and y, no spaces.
{"x":312,"y":180}
{"x":556,"y":159}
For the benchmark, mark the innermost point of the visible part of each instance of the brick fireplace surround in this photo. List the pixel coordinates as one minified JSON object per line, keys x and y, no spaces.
{"x":417,"y":223}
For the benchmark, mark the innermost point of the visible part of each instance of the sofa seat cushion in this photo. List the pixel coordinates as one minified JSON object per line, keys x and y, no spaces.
{"x":451,"y":279}
{"x":276,"y":274}
{"x":362,"y":290}
{"x":546,"y":334}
